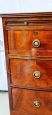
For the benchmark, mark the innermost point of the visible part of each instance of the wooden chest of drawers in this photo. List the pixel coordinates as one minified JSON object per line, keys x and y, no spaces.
{"x":28,"y":49}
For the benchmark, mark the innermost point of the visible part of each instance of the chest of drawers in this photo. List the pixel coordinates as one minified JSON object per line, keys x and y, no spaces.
{"x":28,"y":49}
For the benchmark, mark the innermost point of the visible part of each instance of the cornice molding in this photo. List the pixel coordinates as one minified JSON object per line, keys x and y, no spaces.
{"x":38,"y":14}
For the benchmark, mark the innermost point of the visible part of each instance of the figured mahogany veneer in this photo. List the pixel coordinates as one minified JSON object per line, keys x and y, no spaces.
{"x":21,"y":42}
{"x":23,"y":102}
{"x":29,"y":63}
{"x":21,"y":73}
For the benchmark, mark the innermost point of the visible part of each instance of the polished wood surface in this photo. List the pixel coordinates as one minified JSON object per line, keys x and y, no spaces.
{"x":21,"y":42}
{"x":23,"y":102}
{"x":30,"y":15}
{"x":29,"y":68}
{"x":21,"y":73}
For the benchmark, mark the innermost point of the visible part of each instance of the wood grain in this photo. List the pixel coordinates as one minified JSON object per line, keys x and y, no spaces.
{"x":22,"y":59}
{"x":21,"y":43}
{"x":21,"y":73}
{"x":23,"y":102}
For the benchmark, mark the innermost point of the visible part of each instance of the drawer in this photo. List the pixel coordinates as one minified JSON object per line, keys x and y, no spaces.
{"x":29,"y":102}
{"x":31,"y":73}
{"x":34,"y":43}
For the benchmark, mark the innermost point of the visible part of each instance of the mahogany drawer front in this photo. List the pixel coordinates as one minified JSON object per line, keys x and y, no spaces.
{"x":29,"y":102}
{"x":31,"y":73}
{"x":30,"y":42}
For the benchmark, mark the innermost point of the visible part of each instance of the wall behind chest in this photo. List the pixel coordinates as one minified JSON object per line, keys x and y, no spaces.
{"x":12,"y":6}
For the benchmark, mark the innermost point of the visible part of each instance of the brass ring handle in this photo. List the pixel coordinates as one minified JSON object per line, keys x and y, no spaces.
{"x":36,"y":74}
{"x":36,"y":43}
{"x":36,"y":104}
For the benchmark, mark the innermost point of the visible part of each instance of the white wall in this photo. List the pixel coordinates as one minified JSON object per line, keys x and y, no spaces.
{"x":14,"y":6}
{"x":7,"y":6}
{"x":3,"y":75}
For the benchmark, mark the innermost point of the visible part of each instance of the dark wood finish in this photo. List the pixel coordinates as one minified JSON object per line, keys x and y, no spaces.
{"x":30,"y":15}
{"x":22,"y":59}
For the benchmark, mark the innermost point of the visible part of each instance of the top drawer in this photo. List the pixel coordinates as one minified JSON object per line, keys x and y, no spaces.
{"x":32,"y":42}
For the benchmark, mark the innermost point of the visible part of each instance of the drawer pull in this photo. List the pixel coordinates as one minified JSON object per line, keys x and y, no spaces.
{"x":36,"y":74}
{"x":25,"y":23}
{"x":36,"y":104}
{"x":36,"y":43}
